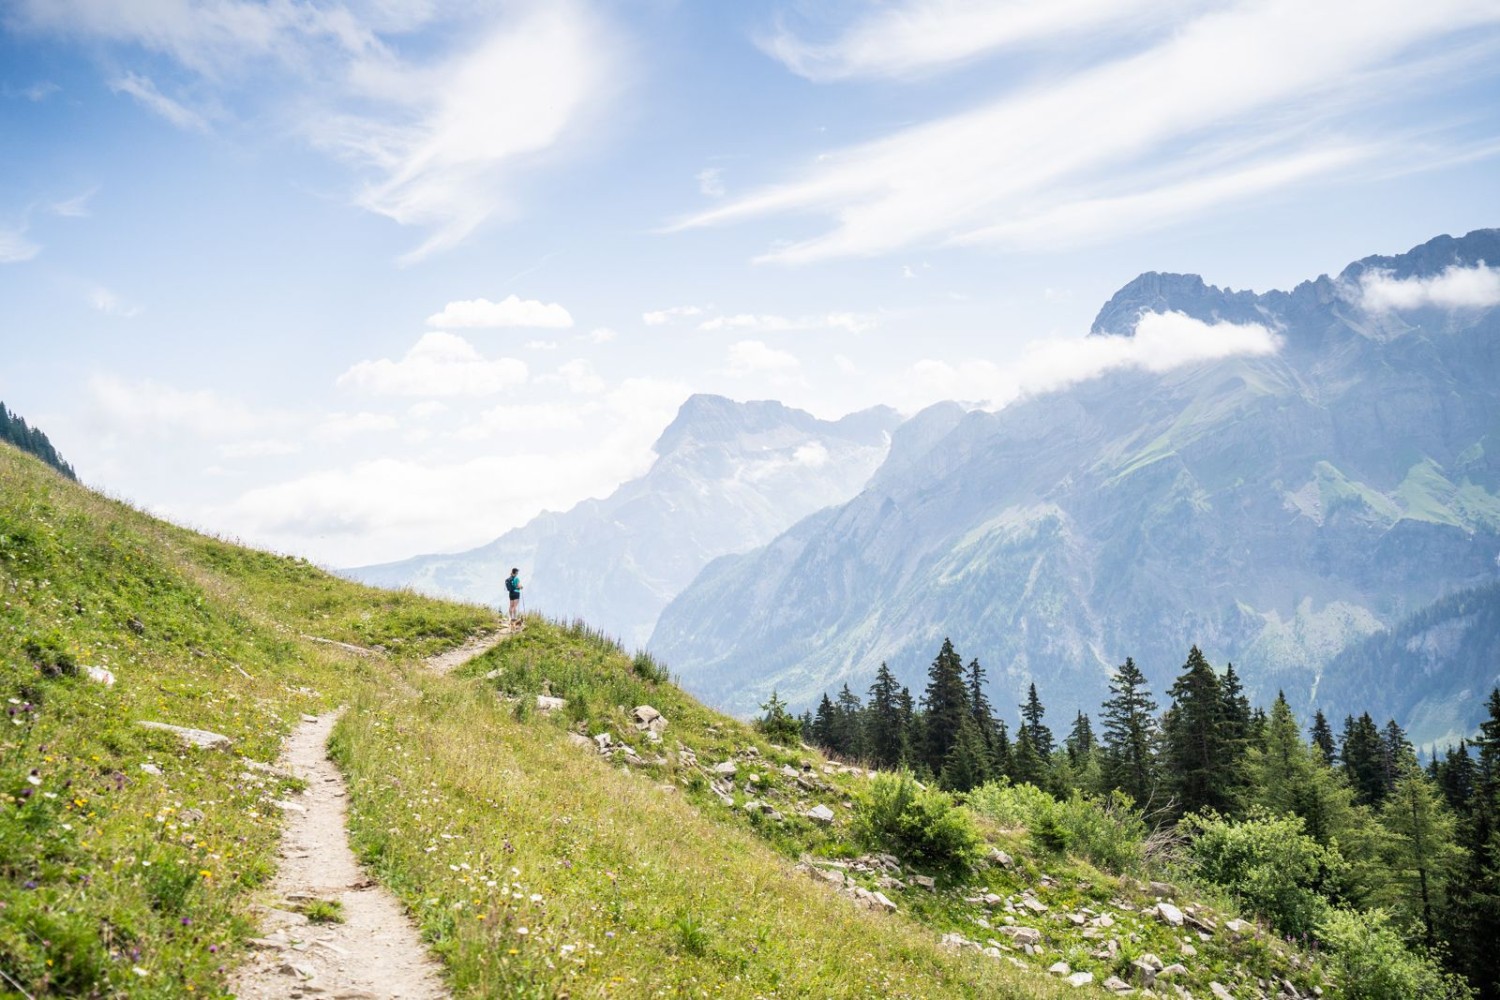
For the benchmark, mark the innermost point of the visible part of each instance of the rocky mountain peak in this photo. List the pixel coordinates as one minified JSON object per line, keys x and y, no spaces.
{"x":1156,"y":291}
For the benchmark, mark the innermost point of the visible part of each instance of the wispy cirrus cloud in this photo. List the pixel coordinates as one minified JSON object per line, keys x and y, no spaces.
{"x":439,"y":110}
{"x":1281,"y":82}
{"x":914,"y":36}
{"x":15,"y":247}
{"x":1455,"y":287}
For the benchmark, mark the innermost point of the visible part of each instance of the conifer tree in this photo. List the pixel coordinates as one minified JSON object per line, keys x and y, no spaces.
{"x":824,"y":728}
{"x":912,"y":739}
{"x":1031,"y":715}
{"x":979,"y":708}
{"x":1198,"y":751}
{"x":1456,"y":775}
{"x":967,"y":766}
{"x":1396,"y":755}
{"x":1322,"y":738}
{"x":1027,"y":765}
{"x":1080,"y":740}
{"x":1470,"y":922}
{"x":1421,"y":851}
{"x":946,"y":705}
{"x":883,"y":720}
{"x":1130,"y":735}
{"x":1287,"y":775}
{"x":1002,"y":759}
{"x":849,"y":724}
{"x":1363,"y":756}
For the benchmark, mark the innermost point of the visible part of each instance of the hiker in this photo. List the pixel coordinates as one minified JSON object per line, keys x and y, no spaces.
{"x":513,"y":587}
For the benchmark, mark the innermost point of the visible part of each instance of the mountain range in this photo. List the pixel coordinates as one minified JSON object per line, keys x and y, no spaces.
{"x":729,"y":476}
{"x":1274,"y":510}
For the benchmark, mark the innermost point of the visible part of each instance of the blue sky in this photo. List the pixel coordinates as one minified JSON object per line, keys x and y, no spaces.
{"x":366,"y":278}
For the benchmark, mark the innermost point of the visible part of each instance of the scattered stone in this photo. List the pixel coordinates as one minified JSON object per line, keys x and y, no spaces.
{"x":494,"y":675}
{"x":884,"y":902}
{"x":1145,"y":972}
{"x":580,"y":740}
{"x":1033,"y":904}
{"x":602,"y":741}
{"x":100,"y":676}
{"x":1172,"y":971}
{"x":151,"y":769}
{"x":267,"y":944}
{"x":649,"y":720}
{"x":285,"y":806}
{"x":1159,"y":888}
{"x":1000,"y":858}
{"x":955,"y":942}
{"x":193,"y":737}
{"x":1239,"y":928}
{"x":1078,"y":979}
{"x":820,"y":814}
{"x":547,"y":703}
{"x":1060,"y":968}
{"x":1025,"y":936}
{"x":137,"y":626}
{"x":1218,"y":990}
{"x":1151,"y":960}
{"x":1188,"y":951}
{"x":1077,"y":919}
{"x":1169,"y":914}
{"x":728,"y":769}
{"x":924,"y":881}
{"x":1117,"y":985}
{"x":191,"y":816}
{"x":296,"y":969}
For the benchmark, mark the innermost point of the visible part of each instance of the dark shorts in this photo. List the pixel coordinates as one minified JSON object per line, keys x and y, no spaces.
{"x":515,"y":595}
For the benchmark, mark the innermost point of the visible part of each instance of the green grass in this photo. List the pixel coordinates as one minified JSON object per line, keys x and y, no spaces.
{"x":533,"y":865}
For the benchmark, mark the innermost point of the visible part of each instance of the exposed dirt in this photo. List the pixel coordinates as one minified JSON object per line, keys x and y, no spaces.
{"x":376,"y":951}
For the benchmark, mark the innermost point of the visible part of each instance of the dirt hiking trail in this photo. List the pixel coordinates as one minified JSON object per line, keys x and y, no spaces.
{"x":376,"y":952}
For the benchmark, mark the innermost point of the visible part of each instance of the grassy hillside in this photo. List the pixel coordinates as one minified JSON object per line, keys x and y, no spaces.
{"x":534,"y":863}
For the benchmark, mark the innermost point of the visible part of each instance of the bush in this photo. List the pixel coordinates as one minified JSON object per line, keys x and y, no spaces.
{"x":1269,"y":863}
{"x":1371,"y":963}
{"x":1107,"y":830}
{"x":921,"y":826}
{"x":778,"y":725}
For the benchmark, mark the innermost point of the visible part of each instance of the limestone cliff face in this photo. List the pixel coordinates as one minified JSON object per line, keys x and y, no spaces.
{"x":1272,"y":510}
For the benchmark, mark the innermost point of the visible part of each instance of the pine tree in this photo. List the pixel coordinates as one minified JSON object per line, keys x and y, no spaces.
{"x":1287,"y":775}
{"x":1031,"y":715}
{"x":1322,"y":737}
{"x":1470,"y":922}
{"x":884,"y":723}
{"x":1396,"y":755}
{"x":1002,"y":760}
{"x":1198,"y":751}
{"x":1027,"y":765}
{"x":980,"y":710}
{"x":824,"y":730}
{"x":1080,"y":741}
{"x":946,"y":704}
{"x":848,"y":722}
{"x":912,"y":738}
{"x":967,"y":766}
{"x":1130,"y":734}
{"x":1456,"y":775}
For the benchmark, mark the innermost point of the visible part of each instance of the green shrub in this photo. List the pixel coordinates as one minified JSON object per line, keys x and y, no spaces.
{"x":1370,"y":962}
{"x":778,"y":725}
{"x":1268,"y":862}
{"x":921,"y":826}
{"x":1106,"y":830}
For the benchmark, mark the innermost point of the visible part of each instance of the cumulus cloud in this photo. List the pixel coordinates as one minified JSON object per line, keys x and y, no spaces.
{"x":509,"y":311}
{"x":1456,"y":287}
{"x":901,"y":39}
{"x":601,"y":335}
{"x":262,"y":448}
{"x":1162,"y":341}
{"x":771,"y":323}
{"x":579,"y":376}
{"x":753,"y":357}
{"x":711,"y":182}
{"x":15,"y":247}
{"x":661,"y":317}
{"x":107,"y":302}
{"x":439,"y":364}
{"x":1098,"y":151}
{"x":144,"y":91}
{"x":336,"y":427}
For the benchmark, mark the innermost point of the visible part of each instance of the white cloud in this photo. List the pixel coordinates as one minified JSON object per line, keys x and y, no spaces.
{"x":263,"y":448}
{"x":1161,"y":341}
{"x":711,"y":182}
{"x":771,"y":323}
{"x":601,"y":335}
{"x":580,"y":377}
{"x":426,"y":410}
{"x":439,"y":364}
{"x":661,"y":317}
{"x":151,"y":407}
{"x":901,"y":39}
{"x":337,"y":427}
{"x":509,"y":311}
{"x":753,"y":357}
{"x":110,"y":304}
{"x":15,"y":247}
{"x":541,"y":345}
{"x":144,"y":91}
{"x":519,"y":419}
{"x":1456,"y":287}
{"x":814,"y":455}
{"x":76,"y":207}
{"x":1095,"y":152}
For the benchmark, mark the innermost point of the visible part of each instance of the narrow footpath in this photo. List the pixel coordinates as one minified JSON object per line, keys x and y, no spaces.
{"x":375,"y":953}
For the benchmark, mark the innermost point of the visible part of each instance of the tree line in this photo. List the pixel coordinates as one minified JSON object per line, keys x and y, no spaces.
{"x":14,"y":430}
{"x":1420,"y":843}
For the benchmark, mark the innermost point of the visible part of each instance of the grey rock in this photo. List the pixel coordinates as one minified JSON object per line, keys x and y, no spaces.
{"x":1219,"y":991}
{"x":726,"y":768}
{"x":1169,"y":914}
{"x":1117,"y":985}
{"x":1060,"y":968}
{"x":193,"y":737}
{"x":150,"y":768}
{"x":820,"y":814}
{"x":547,"y":703}
{"x":1078,"y":979}
{"x":1022,"y":935}
{"x":99,"y":675}
{"x":1033,"y":904}
{"x":1239,"y":928}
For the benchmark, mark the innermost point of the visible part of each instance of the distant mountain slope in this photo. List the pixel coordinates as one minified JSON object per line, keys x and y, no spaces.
{"x":729,"y":476}
{"x":1272,"y":510}
{"x":1433,"y":669}
{"x":14,"y":430}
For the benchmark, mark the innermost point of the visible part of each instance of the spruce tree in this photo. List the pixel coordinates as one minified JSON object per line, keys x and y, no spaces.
{"x":1031,"y":715}
{"x":824,"y":729}
{"x":1287,"y":775}
{"x":1130,"y":735}
{"x":967,"y":766}
{"x":945,"y":704}
{"x":1396,"y":755}
{"x":1002,"y":759}
{"x":848,"y":722}
{"x":1322,"y":738}
{"x":1421,"y":851}
{"x":1363,"y":754}
{"x":1027,"y":765}
{"x":1080,"y":741}
{"x":1456,"y":776}
{"x":884,"y":722}
{"x":979,"y":708}
{"x":1198,"y":751}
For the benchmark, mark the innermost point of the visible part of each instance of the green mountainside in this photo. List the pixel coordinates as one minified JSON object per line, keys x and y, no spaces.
{"x":14,"y":430}
{"x":692,"y":858}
